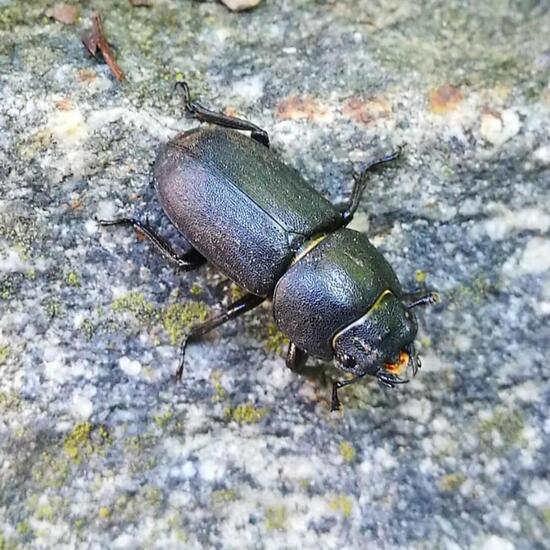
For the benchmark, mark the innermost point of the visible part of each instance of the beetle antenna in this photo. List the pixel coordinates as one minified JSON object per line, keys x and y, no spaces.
{"x":428,"y":299}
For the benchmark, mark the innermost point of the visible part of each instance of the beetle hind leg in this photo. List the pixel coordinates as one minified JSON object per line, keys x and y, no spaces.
{"x":203,"y":114}
{"x":236,"y":309}
{"x":186,"y":262}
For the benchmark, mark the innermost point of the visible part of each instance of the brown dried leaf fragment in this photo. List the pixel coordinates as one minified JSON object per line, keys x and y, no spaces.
{"x":63,"y":13}
{"x":96,"y":40}
{"x":141,"y":3}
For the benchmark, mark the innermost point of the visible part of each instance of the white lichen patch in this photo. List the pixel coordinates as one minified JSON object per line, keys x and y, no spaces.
{"x":507,"y":221}
{"x":68,"y":127}
{"x":498,"y":127}
{"x":130,"y":367}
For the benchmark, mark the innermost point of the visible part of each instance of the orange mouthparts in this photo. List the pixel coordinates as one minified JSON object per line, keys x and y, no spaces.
{"x":401,"y":366}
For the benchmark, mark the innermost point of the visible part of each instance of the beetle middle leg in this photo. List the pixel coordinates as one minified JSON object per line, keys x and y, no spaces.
{"x":361,"y":183}
{"x":203,"y":114}
{"x":236,"y":309}
{"x":186,"y":261}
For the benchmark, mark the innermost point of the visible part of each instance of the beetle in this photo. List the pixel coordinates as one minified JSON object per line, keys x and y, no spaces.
{"x":262,"y":225}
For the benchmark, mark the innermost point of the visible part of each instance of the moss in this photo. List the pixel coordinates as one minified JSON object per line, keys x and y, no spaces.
{"x":223,"y":496}
{"x":72,"y":278}
{"x":508,"y":424}
{"x":219,"y":392}
{"x":178,"y":318}
{"x":135,"y":304}
{"x":275,"y":518}
{"x":245,"y":413}
{"x":342,"y":504}
{"x":275,"y":341}
{"x":4,"y":353}
{"x":104,"y":512}
{"x":85,"y":440}
{"x":347,"y":451}
{"x":451,"y":482}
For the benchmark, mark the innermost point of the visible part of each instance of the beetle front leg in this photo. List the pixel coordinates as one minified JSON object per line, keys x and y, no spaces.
{"x":295,"y":358}
{"x":360,"y":184}
{"x":236,"y":309}
{"x":203,"y":114}
{"x":186,"y":262}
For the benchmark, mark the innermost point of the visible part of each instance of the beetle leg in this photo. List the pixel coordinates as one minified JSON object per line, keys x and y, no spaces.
{"x":360,"y":182}
{"x":295,"y":358}
{"x":389,"y":380}
{"x":236,"y":309}
{"x":203,"y":114}
{"x":422,"y":300}
{"x":335,"y":402}
{"x":186,"y":262}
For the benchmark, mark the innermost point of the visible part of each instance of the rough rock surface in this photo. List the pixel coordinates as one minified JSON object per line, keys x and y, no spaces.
{"x":98,"y":446}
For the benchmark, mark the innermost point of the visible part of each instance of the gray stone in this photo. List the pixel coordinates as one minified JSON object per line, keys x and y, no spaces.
{"x":100,"y":448}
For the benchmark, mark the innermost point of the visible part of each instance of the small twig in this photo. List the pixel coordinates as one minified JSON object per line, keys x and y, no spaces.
{"x":96,"y":40}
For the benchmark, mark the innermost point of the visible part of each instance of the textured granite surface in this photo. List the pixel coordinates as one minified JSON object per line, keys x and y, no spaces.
{"x":98,"y":446}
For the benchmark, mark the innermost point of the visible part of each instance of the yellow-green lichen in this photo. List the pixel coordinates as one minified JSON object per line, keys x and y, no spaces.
{"x":79,"y":524}
{"x":506,"y":425}
{"x":223,"y":496}
{"x":51,"y":472}
{"x":162,"y":419}
{"x":178,"y":318}
{"x":152,"y":496}
{"x":195,"y":289}
{"x":219,"y":392}
{"x":347,"y":451}
{"x":23,"y":528}
{"x":52,"y":307}
{"x":342,"y":504}
{"x":4,"y":353}
{"x":420,"y":276}
{"x":135,"y":304}
{"x":246,"y":413}
{"x":546,"y":515}
{"x":9,"y":401}
{"x":275,"y":341}
{"x":45,"y":512}
{"x":87,"y":328}
{"x":72,"y":278}
{"x":104,"y":512}
{"x":452,"y":482}
{"x":275,"y":518}
{"x":84,"y":440}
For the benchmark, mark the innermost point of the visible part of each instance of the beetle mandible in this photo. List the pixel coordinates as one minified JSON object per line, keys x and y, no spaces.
{"x":261,"y":224}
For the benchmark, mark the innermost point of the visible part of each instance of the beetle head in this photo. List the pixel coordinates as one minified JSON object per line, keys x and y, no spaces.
{"x":380,"y":343}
